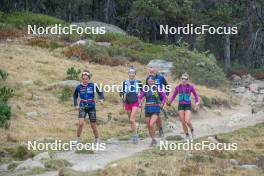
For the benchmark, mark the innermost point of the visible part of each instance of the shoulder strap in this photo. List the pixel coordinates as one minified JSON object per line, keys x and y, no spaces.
{"x":180,"y":89}
{"x":187,"y":88}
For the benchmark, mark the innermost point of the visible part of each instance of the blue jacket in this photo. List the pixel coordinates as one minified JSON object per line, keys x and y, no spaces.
{"x":160,"y":81}
{"x":86,"y":94}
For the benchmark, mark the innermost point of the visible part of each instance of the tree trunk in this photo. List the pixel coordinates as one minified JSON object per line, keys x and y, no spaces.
{"x":227,"y":53}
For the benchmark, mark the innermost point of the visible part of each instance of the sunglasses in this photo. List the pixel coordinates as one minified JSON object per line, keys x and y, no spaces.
{"x":184,"y":79}
{"x":86,"y":78}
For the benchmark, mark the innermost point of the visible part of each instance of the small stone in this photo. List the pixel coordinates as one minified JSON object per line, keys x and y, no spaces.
{"x":248,"y":166}
{"x":217,"y":112}
{"x":3,"y":167}
{"x":113,"y":165}
{"x":107,"y":44}
{"x":28,"y":82}
{"x":233,"y":162}
{"x":32,"y":114}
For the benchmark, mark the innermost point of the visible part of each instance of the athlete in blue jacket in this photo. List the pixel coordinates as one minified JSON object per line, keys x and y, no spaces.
{"x":162,"y":84}
{"x":85,"y":90}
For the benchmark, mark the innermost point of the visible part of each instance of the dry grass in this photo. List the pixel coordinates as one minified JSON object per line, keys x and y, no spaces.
{"x":183,"y":163}
{"x":43,"y":67}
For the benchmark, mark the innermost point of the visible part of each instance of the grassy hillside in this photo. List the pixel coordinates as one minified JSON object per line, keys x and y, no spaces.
{"x":202,"y":67}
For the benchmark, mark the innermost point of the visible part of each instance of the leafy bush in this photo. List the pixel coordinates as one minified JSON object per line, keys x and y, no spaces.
{"x":5,"y":114}
{"x":6,"y":93}
{"x":56,"y":163}
{"x":5,"y":110}
{"x":3,"y":74}
{"x":24,"y":18}
{"x":20,"y":152}
{"x":73,"y":74}
{"x":65,"y":94}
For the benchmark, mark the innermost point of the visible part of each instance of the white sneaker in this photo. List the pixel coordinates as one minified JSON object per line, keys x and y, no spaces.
{"x":193,"y":136}
{"x":96,"y":141}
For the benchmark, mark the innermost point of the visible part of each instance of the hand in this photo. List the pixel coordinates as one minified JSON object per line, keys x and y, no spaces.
{"x":101,"y":101}
{"x":77,"y":108}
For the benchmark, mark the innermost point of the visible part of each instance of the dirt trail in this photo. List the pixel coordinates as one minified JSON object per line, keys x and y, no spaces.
{"x":230,"y":120}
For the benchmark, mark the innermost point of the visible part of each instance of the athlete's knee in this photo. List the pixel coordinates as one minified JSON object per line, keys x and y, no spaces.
{"x":81,"y":124}
{"x":132,"y":121}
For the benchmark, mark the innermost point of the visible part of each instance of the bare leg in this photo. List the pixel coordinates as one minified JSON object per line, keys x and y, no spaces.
{"x":152,"y":121}
{"x":147,"y":119}
{"x":159,"y":122}
{"x":182,"y":119}
{"x":187,"y":119}
{"x":80,"y":126}
{"x":132,"y":119}
{"x":95,"y":131}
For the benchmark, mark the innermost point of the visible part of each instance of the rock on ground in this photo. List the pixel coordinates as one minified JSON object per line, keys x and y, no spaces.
{"x":32,"y":114}
{"x":29,"y":164}
{"x":109,"y":27}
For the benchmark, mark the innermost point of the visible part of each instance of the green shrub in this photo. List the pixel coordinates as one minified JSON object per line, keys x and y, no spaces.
{"x":5,"y":114}
{"x":6,"y":93}
{"x":24,"y":18}
{"x":56,"y":164}
{"x":65,"y":94}
{"x":20,"y":152}
{"x":3,"y":74}
{"x":73,"y":74}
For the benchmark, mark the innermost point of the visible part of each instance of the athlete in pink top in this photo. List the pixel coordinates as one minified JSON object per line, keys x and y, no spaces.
{"x":184,"y":90}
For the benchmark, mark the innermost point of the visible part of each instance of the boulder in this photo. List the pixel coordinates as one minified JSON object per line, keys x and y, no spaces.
{"x":260,"y":84}
{"x":83,"y":42}
{"x":108,"y":27}
{"x":42,"y":156}
{"x":253,"y":88}
{"x":163,"y":66}
{"x":247,"y":80}
{"x":29,"y":164}
{"x":236,"y":80}
{"x":239,"y":90}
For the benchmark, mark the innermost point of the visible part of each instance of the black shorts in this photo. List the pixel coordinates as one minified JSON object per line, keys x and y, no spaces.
{"x":184,"y":107}
{"x":91,"y":113}
{"x":149,"y":114}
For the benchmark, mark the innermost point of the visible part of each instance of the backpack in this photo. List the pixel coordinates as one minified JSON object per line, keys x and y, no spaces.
{"x":184,"y":95}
